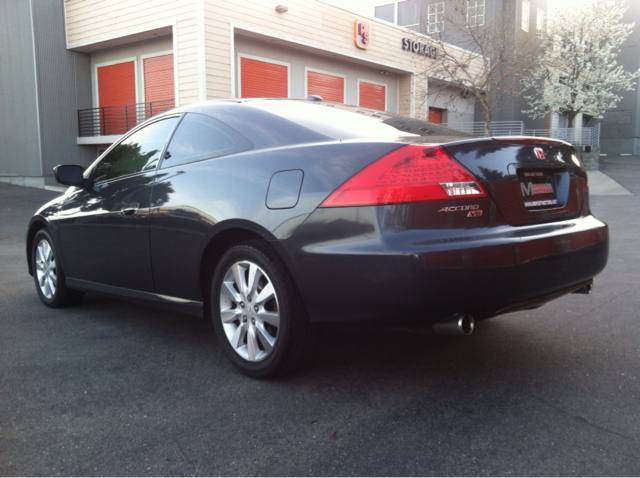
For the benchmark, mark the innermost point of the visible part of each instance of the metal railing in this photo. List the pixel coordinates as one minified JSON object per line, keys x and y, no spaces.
{"x":498,"y":128}
{"x":575,"y":136}
{"x":110,"y":120}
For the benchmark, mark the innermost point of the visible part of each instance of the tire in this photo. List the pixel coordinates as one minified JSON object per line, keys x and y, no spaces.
{"x":48,"y":273}
{"x":257,"y":314}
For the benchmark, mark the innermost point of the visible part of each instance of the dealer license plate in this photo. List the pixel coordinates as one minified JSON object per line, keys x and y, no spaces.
{"x":538,"y":189}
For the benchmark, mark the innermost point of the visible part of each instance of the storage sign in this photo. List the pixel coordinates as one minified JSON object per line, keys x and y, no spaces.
{"x":419,"y":48}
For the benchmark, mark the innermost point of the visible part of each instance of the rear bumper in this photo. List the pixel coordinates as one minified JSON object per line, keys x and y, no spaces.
{"x":401,"y":275}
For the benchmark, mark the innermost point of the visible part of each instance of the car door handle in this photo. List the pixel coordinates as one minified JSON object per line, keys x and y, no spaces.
{"x":129,"y":210}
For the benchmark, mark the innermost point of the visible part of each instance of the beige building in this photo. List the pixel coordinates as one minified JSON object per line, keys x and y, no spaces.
{"x":89,"y":70}
{"x":226,"y":49}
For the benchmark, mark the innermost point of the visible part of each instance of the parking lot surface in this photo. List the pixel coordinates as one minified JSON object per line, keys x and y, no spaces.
{"x":113,"y":388}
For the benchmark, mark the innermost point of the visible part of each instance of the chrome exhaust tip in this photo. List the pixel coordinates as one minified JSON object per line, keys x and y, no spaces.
{"x":584,"y":289}
{"x":462,"y":324}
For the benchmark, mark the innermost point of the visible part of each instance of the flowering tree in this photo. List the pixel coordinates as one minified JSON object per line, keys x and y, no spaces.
{"x":581,"y":73}
{"x":481,"y":57}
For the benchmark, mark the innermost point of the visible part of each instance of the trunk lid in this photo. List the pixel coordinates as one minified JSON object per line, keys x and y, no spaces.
{"x":531,"y":180}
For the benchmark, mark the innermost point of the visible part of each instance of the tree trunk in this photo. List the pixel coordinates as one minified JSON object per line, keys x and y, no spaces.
{"x":487,"y":122}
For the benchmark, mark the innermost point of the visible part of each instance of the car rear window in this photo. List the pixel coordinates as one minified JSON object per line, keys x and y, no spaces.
{"x":341,"y":121}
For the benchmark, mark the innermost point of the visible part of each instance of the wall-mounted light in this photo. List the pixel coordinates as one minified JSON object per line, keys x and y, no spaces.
{"x":282,"y":9}
{"x":384,"y":72}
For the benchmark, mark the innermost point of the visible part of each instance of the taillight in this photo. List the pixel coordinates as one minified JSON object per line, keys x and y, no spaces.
{"x":412,"y":173}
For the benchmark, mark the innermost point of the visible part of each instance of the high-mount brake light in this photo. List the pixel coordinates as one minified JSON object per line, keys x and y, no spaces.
{"x":529,"y":140}
{"x":412,"y":173}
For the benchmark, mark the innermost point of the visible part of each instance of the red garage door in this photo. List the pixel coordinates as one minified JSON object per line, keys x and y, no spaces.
{"x":159,"y":87}
{"x":435,"y":115}
{"x":372,"y":96}
{"x":330,"y":87}
{"x":117,"y":95}
{"x":261,"y":79}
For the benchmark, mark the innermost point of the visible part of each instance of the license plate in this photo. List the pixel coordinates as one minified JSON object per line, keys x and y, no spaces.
{"x":538,"y":189}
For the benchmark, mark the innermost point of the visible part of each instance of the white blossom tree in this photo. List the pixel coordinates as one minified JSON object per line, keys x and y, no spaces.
{"x":483,"y":58}
{"x":581,"y":73}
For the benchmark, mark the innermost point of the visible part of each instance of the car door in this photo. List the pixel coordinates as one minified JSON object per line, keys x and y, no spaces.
{"x":104,"y":228}
{"x":187,"y":187}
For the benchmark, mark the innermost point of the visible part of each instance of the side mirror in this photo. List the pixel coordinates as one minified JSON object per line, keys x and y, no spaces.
{"x":69,"y":175}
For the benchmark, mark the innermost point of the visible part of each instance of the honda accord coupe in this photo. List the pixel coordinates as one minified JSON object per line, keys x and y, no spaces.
{"x":273,"y":216}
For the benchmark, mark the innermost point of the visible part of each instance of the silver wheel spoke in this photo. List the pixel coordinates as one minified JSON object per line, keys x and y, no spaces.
{"x":230,"y":293}
{"x":271,"y":318}
{"x":237,"y":339}
{"x":253,"y":349}
{"x":266,"y":294}
{"x":265,"y":338}
{"x":230,"y":315}
{"x":238,"y":275}
{"x":51,"y":286}
{"x":254,"y":277}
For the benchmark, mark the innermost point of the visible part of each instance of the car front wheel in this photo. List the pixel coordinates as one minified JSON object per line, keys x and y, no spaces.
{"x":48,"y":274}
{"x":258,"y":316}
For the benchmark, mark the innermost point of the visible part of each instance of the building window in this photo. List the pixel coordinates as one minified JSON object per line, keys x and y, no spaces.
{"x":409,"y":14}
{"x":386,"y":12}
{"x":435,"y":18}
{"x":525,"y":15}
{"x":475,"y":13}
{"x":540,"y":23}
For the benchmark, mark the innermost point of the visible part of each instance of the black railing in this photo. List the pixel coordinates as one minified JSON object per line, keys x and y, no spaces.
{"x":118,"y":119}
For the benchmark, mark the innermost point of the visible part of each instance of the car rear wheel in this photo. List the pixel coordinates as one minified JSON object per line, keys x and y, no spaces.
{"x":48,"y":274}
{"x":258,"y":316}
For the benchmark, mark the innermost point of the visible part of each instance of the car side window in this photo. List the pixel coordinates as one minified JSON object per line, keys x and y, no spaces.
{"x":139,"y":152}
{"x":201,"y":137}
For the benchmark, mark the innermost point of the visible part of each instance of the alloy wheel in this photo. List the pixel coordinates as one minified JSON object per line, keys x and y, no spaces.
{"x":46,"y":271}
{"x":249,"y":311}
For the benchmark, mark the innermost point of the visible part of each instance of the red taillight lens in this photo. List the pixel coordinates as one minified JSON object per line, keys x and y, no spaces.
{"x":412,"y":173}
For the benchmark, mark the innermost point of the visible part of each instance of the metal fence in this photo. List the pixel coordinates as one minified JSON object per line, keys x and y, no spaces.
{"x":498,"y":128}
{"x":575,"y":136}
{"x":110,"y":120}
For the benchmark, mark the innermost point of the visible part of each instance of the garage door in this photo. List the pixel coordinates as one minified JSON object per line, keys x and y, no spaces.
{"x":117,"y":95}
{"x":159,"y":88}
{"x":435,"y":115}
{"x":261,"y":79}
{"x":372,"y":96}
{"x":330,"y":87}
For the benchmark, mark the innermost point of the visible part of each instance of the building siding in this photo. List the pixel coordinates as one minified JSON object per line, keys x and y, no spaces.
{"x":56,"y":72}
{"x":316,"y":27}
{"x":20,"y":148}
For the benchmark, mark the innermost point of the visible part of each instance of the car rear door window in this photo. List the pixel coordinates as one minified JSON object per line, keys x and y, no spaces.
{"x":138,"y":152}
{"x":201,"y":137}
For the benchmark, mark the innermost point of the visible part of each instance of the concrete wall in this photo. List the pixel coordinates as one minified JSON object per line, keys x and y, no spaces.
{"x":620,"y":133}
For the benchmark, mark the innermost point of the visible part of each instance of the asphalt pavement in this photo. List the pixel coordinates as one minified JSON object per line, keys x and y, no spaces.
{"x":112,"y":388}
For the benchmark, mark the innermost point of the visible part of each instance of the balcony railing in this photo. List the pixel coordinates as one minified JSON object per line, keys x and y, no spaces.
{"x":116,"y":120}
